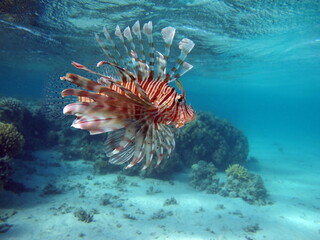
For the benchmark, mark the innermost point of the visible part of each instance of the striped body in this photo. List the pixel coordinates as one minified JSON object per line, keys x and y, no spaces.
{"x":137,"y":107}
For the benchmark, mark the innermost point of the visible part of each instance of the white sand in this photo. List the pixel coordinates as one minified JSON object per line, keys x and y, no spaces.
{"x":290,"y":176}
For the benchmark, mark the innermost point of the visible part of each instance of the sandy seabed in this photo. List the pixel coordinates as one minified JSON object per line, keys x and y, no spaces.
{"x":141,"y":209}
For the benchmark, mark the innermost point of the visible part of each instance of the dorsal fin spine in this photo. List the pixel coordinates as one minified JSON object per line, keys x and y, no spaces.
{"x":147,"y":30}
{"x":136,"y":30}
{"x":161,"y":66}
{"x":108,"y":37}
{"x":185,"y":68}
{"x":186,"y":46}
{"x":168,"y":35}
{"x":119,"y":35}
{"x":143,"y":68}
{"x":128,"y":36}
{"x":105,"y":48}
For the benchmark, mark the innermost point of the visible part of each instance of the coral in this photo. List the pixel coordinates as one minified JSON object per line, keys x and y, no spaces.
{"x":203,"y":176}
{"x":11,"y":111}
{"x":238,"y":172}
{"x":213,"y":140}
{"x":248,"y":186}
{"x":239,"y":183}
{"x":28,"y":120}
{"x":11,"y":141}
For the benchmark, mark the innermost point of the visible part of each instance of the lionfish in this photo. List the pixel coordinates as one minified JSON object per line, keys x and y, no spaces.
{"x":137,"y":106}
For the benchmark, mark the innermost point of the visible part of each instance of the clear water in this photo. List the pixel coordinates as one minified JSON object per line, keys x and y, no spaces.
{"x":256,"y":63}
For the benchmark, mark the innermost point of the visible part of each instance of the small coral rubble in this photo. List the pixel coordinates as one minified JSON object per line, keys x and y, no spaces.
{"x":170,"y":201}
{"x":84,"y":216}
{"x":239,"y":183}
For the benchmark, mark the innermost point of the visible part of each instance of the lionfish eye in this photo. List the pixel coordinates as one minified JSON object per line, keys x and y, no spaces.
{"x":180,"y":98}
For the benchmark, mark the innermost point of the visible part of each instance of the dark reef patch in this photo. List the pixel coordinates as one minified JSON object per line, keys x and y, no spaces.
{"x":213,"y":140}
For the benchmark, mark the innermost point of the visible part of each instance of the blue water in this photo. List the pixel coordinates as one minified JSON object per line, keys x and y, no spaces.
{"x":256,"y":63}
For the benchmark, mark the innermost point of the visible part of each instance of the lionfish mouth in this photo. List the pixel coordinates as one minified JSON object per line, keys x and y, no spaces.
{"x":137,"y":107}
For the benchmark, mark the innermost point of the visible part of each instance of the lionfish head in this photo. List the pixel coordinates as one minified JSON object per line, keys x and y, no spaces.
{"x":186,"y":113}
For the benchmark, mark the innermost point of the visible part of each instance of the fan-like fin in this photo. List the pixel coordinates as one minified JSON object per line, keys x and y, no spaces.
{"x":185,"y":46}
{"x":93,"y":109}
{"x":119,"y":35}
{"x":130,"y":76}
{"x":185,"y":68}
{"x":91,"y":119}
{"x":149,"y":146}
{"x":161,"y":66}
{"x":113,"y":140}
{"x":109,"y":38}
{"x":105,"y":48}
{"x":142,"y":66}
{"x":169,"y":139}
{"x":98,"y":126}
{"x":127,"y":139}
{"x":127,"y":34}
{"x":94,"y":86}
{"x":105,"y":97}
{"x":147,"y":30}
{"x":159,"y":149}
{"x":139,"y":152}
{"x":139,"y":65}
{"x":123,"y":156}
{"x":136,"y":30}
{"x":168,"y":35}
